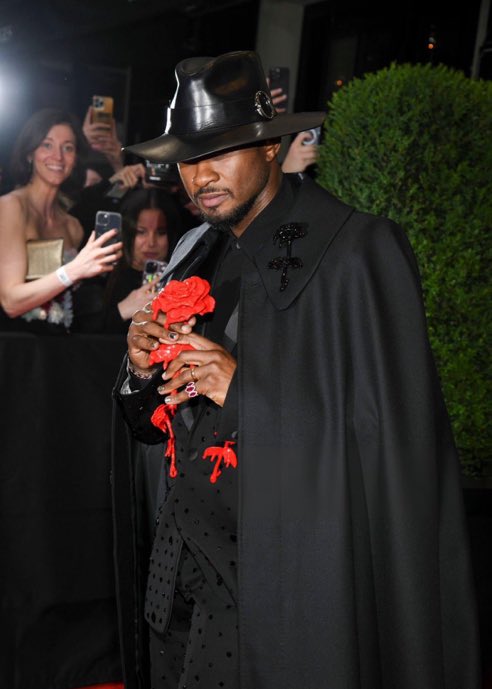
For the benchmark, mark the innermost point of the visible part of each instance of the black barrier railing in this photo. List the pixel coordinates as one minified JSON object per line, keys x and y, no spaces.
{"x":58,"y":609}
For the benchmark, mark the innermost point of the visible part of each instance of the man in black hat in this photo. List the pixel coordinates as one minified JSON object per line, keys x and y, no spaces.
{"x":328,"y":549}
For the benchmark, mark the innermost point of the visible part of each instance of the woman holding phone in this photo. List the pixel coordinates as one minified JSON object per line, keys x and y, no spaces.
{"x":44,"y":157}
{"x":151,"y":227}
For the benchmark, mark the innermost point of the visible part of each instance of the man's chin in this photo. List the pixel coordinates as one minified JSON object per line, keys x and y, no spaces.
{"x":228,"y":221}
{"x":217,"y":219}
{"x":212,"y":216}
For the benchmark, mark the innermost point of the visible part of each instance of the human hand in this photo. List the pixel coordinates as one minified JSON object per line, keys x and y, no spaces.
{"x":95,"y":258}
{"x":129,"y":175}
{"x":278,"y":97}
{"x":208,"y":366}
{"x":145,"y":335}
{"x":136,"y":299}
{"x":102,"y":137}
{"x":299,"y":156}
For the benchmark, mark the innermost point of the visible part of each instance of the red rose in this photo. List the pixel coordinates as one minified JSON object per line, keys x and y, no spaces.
{"x":182,"y":299}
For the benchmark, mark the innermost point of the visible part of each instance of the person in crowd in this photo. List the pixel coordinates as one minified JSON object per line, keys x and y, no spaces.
{"x":109,"y":194}
{"x":106,"y":154}
{"x":299,"y":156}
{"x":310,"y":529}
{"x":44,"y":157}
{"x":151,"y":228}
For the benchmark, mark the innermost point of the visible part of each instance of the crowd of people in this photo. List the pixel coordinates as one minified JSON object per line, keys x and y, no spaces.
{"x":62,"y":174}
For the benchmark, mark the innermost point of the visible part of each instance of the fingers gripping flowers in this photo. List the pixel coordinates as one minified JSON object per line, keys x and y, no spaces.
{"x":179,"y":301}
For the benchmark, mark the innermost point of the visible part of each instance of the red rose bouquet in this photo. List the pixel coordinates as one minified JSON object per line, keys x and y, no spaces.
{"x":179,"y":300}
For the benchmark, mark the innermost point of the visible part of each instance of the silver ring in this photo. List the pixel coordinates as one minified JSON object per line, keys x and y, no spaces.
{"x":191,"y":390}
{"x":193,"y":376}
{"x":139,"y":322}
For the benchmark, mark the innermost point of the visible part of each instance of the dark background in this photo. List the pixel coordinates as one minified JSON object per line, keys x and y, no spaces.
{"x":61,"y":52}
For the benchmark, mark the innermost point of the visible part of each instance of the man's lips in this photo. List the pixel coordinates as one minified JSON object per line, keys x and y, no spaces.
{"x":211,"y":200}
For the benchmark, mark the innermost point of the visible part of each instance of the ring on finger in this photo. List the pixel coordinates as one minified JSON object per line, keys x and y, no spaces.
{"x":191,"y":390}
{"x":139,"y":322}
{"x":192,"y":374}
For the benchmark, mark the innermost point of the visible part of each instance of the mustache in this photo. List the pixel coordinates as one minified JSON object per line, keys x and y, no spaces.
{"x":211,"y":190}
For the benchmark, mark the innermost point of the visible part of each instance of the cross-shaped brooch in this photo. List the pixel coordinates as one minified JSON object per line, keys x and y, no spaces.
{"x":285,"y":235}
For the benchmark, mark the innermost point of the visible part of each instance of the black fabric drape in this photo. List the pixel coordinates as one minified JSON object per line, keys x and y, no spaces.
{"x":58,"y":610}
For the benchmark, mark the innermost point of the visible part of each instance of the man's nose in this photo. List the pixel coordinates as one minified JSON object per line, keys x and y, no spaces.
{"x":204,"y":174}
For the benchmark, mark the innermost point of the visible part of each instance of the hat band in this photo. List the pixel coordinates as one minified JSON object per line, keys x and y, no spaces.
{"x":218,"y":116}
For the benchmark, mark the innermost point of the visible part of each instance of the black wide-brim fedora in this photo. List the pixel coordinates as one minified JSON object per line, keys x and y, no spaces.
{"x":220,"y":103}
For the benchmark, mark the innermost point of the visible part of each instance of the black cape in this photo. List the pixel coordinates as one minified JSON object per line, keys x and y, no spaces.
{"x":354,"y":569}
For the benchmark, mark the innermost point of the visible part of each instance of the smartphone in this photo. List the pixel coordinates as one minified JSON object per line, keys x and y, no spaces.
{"x":117,"y":191}
{"x":315,"y":135}
{"x":153,"y":270}
{"x":102,"y":109}
{"x":278,"y":78}
{"x":108,"y":220}
{"x":161,"y":172}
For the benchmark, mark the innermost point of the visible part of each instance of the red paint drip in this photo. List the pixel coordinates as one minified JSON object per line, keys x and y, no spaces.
{"x":162,"y":419}
{"x":218,"y":455}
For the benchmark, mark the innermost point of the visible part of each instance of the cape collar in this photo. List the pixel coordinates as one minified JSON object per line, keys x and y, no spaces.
{"x":311,"y":211}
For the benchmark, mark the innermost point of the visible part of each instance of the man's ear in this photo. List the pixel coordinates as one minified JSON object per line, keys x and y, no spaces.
{"x":272,"y":149}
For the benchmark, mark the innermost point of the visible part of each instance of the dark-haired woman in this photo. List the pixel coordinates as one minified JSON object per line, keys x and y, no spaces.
{"x":151,"y":228}
{"x":44,"y":157}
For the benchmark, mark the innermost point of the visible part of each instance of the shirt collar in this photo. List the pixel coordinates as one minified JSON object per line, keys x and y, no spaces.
{"x":260,"y":231}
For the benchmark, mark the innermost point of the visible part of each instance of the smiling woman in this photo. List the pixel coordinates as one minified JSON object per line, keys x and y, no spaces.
{"x":44,"y":157}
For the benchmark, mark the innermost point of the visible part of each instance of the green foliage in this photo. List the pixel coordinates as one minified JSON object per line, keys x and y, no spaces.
{"x":414,"y":143}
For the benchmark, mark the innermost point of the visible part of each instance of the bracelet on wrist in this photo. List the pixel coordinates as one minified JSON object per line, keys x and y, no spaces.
{"x":145,"y":375}
{"x":63,"y":277}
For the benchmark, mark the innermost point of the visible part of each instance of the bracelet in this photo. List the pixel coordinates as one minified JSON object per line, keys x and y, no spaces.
{"x":62,"y":275}
{"x":139,"y":374}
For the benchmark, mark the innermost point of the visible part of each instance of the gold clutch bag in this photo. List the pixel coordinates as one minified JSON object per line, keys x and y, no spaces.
{"x":44,"y":256}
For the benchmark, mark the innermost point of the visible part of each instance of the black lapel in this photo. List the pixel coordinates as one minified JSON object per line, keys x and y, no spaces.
{"x":187,"y":265}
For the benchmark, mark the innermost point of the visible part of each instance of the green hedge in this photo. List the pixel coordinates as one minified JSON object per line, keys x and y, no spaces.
{"x":414,"y":143}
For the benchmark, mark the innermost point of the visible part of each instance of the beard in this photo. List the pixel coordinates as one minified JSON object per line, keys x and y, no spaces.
{"x":227,"y":223}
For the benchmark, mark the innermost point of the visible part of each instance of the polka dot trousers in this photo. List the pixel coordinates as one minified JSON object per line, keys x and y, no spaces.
{"x":199,"y":649}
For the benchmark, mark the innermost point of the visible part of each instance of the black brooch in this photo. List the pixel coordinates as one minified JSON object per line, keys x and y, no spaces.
{"x":285,"y":235}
